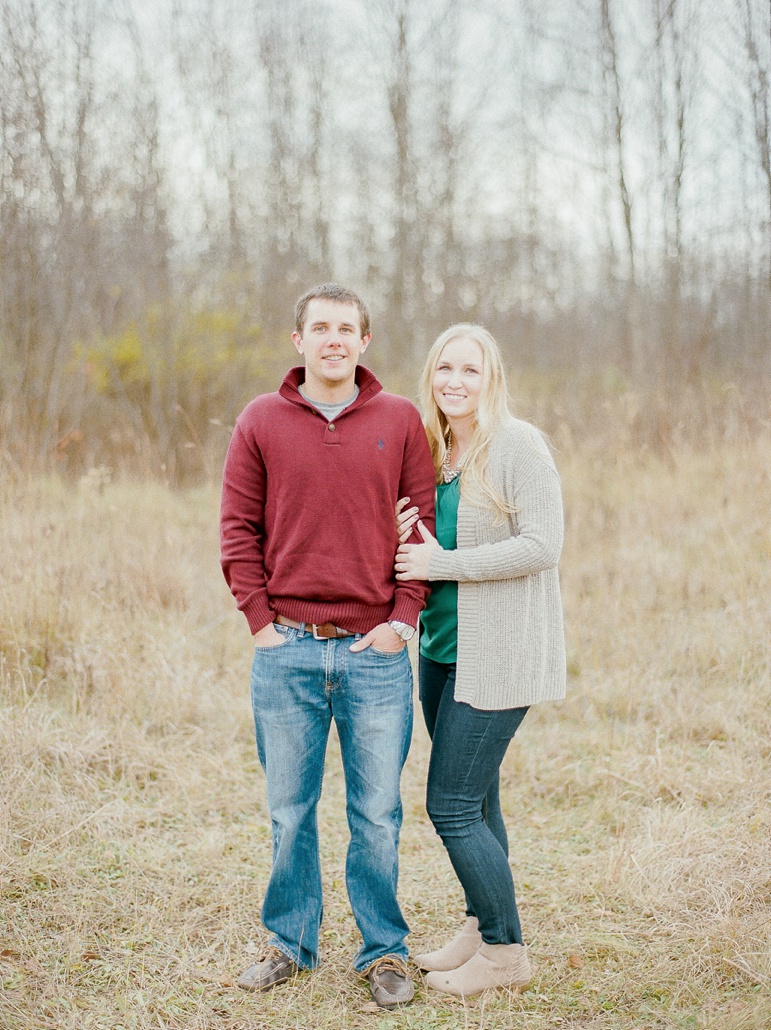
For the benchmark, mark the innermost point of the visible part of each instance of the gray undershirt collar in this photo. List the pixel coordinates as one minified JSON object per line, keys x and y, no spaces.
{"x":330,"y":411}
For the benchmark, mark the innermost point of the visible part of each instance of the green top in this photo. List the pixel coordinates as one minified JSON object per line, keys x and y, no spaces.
{"x":439,"y":620}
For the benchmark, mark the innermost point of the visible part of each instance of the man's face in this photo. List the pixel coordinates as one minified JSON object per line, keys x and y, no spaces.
{"x":331,"y":343}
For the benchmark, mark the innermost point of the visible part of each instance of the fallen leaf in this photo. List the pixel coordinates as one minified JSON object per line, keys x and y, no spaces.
{"x":575,"y":962}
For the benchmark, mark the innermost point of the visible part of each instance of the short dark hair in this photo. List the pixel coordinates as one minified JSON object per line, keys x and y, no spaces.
{"x":330,"y":291}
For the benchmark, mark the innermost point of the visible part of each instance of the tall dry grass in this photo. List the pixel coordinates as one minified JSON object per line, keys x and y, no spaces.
{"x":134,"y":836}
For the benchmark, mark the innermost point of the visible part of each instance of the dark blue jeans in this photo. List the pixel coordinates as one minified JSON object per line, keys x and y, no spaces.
{"x":463,"y":801}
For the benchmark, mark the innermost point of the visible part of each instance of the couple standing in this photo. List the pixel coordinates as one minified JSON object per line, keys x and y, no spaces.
{"x":311,"y":482}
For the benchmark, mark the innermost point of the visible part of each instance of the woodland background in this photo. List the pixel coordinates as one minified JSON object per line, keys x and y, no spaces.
{"x":589,"y":178}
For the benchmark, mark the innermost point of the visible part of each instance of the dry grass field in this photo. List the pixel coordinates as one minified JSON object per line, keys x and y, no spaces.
{"x":134,"y":836}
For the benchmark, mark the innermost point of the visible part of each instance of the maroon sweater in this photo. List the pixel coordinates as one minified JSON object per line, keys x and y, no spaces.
{"x":307,"y":524}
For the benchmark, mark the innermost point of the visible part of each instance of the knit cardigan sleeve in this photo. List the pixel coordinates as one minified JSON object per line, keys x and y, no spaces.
{"x":528,"y":541}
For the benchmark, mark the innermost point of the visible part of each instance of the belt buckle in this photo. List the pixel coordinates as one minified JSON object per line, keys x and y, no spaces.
{"x":314,"y":630}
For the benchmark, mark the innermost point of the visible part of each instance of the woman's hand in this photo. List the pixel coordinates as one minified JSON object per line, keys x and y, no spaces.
{"x":412,"y":559}
{"x":405,"y":520}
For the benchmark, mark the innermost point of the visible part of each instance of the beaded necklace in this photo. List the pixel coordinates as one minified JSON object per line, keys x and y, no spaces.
{"x":449,"y":474}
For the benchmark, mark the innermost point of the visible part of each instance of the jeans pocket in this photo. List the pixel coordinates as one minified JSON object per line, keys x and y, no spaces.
{"x":287,"y":632}
{"x":386,"y":654}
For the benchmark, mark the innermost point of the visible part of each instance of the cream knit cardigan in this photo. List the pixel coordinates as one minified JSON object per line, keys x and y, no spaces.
{"x":511,"y":641}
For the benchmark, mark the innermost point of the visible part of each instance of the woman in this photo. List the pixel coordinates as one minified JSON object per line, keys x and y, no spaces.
{"x":492,"y":640}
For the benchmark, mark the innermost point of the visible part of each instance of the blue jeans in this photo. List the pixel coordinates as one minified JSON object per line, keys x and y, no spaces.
{"x":463,"y":800}
{"x":298,"y":687}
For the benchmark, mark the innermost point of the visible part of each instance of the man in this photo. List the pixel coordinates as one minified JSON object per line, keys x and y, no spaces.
{"x":308,"y":542}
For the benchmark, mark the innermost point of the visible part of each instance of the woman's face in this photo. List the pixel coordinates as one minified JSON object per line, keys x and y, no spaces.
{"x":458,"y":379}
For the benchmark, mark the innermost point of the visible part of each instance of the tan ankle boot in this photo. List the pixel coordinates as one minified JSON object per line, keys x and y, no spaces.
{"x":492,"y":965}
{"x":455,"y":952}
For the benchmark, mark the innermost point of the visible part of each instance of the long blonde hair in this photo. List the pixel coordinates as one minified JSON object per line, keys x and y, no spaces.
{"x":492,"y":411}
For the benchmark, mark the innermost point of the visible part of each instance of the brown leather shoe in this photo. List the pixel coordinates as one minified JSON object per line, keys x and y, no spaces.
{"x":274,"y":968}
{"x":390,"y":982}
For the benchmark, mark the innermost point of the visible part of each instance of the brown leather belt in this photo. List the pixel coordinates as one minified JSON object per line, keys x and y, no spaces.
{"x":325,"y":631}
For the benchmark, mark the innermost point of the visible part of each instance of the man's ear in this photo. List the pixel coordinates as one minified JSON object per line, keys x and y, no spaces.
{"x":297,"y":340}
{"x":364,"y":342}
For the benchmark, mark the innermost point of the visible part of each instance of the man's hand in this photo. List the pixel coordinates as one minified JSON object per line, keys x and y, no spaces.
{"x":268,"y":636}
{"x":382,"y":638}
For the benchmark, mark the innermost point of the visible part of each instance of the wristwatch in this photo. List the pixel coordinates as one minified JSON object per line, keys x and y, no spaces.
{"x":402,"y":629}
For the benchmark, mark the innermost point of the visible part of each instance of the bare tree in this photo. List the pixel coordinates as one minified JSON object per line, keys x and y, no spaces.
{"x":49,"y":228}
{"x":675,"y":68}
{"x":756,"y":26}
{"x":616,"y":131}
{"x":298,"y":201}
{"x":212,"y":67}
{"x":432,"y":200}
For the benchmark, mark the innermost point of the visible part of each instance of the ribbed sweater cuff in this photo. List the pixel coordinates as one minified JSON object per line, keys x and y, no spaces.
{"x":406,"y":609}
{"x":258,"y":614}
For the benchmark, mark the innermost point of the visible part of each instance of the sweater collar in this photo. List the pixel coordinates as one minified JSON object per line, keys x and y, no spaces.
{"x":368,"y":384}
